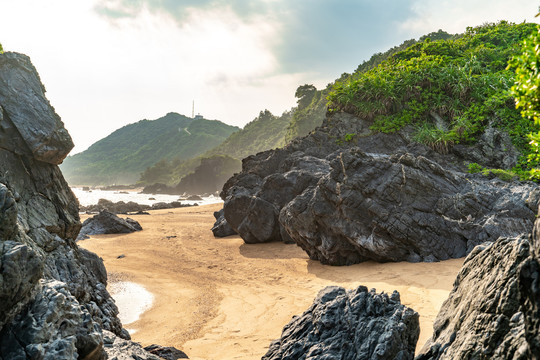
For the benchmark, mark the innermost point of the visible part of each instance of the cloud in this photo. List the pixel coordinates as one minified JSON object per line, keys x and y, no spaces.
{"x":325,"y":36}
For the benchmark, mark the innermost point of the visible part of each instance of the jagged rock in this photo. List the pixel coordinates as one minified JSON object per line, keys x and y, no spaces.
{"x":53,"y":298}
{"x":221,"y":228}
{"x":167,"y":353}
{"x":355,"y":324}
{"x":482,"y":317}
{"x":271,"y":180}
{"x":120,"y":349}
{"x":529,"y":281}
{"x":29,"y":112}
{"x":8,"y":213}
{"x":107,"y":223}
{"x":21,"y":270}
{"x":54,"y":326}
{"x":122,"y":207}
{"x":403,"y":207}
{"x":255,"y":218}
{"x":494,"y":149}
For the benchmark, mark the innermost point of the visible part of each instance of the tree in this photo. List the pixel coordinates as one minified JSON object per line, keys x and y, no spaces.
{"x":526,"y":91}
{"x":527,"y":87}
{"x":305,"y":94}
{"x":1,"y":49}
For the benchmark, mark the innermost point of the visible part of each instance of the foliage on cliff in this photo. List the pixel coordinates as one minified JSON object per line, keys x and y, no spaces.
{"x":309,"y":113}
{"x":1,"y":49}
{"x":124,"y":154}
{"x":527,"y":93}
{"x":450,"y":90}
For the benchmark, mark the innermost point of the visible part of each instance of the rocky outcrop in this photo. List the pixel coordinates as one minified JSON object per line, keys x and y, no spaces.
{"x":355,"y":324}
{"x":122,"y":207}
{"x":29,"y":114}
{"x":403,"y":207}
{"x":221,"y":228}
{"x":53,"y":298}
{"x":107,"y":223}
{"x":121,"y":349}
{"x":346,"y":199}
{"x":166,"y":352}
{"x":482,"y":317}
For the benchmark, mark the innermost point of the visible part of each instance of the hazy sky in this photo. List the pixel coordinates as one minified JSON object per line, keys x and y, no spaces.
{"x":108,"y":63}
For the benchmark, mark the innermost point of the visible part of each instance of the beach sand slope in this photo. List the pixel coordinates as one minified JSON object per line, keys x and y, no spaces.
{"x":223,"y":299}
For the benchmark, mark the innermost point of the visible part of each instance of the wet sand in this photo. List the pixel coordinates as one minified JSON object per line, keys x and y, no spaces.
{"x":223,"y":299}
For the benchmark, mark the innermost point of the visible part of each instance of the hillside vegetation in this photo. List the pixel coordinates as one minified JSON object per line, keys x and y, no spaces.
{"x":124,"y":154}
{"x":266,"y":131}
{"x":449,"y":90}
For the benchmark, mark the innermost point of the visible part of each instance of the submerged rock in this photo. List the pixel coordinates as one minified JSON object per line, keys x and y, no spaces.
{"x":355,"y":324}
{"x":107,"y":223}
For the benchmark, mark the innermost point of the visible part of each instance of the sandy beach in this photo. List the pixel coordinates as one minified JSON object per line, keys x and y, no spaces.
{"x":222,"y":299}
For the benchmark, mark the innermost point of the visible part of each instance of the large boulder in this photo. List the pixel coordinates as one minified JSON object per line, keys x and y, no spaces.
{"x":483,"y":316}
{"x":107,"y":223}
{"x":346,"y":194}
{"x":53,"y":298}
{"x":403,"y":207}
{"x":354,"y":324}
{"x":24,"y":108}
{"x":221,"y":227}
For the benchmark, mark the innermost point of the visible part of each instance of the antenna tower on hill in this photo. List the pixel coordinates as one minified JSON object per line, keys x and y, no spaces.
{"x":193,"y":109}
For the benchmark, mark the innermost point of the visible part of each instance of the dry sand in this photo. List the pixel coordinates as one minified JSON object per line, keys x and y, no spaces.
{"x":223,"y":299}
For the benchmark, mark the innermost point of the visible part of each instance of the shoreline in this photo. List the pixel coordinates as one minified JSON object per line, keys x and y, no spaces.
{"x":220,"y":298}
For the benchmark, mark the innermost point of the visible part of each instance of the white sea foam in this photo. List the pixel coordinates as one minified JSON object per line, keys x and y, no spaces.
{"x":132,"y":300}
{"x":91,"y":197}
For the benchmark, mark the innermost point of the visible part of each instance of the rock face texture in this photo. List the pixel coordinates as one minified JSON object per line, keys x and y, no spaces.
{"x":53,"y":298}
{"x":403,"y":207}
{"x":107,"y":223}
{"x":380,"y":197}
{"x":355,"y":324}
{"x":29,"y":113}
{"x":221,"y":227}
{"x":483,"y":315}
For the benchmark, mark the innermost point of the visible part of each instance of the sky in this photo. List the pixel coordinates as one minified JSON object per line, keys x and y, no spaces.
{"x":109,"y":63}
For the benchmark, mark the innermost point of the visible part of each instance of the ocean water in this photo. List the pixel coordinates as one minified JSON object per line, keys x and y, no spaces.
{"x":132,"y":300}
{"x":91,"y":197}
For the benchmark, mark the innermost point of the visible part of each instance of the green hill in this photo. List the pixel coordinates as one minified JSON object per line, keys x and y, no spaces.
{"x":265,"y":132}
{"x":124,"y":154}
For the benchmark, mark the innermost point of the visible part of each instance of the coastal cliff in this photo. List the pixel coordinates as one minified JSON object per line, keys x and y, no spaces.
{"x":53,"y":298}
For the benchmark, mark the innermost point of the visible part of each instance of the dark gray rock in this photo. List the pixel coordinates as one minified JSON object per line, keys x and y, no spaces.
{"x":166,"y":352}
{"x":21,"y":270}
{"x":494,"y":149}
{"x":8,"y":213}
{"x":318,"y":176}
{"x":355,"y":324}
{"x":54,"y":326}
{"x":221,"y":227}
{"x":529,"y":281}
{"x":107,"y":223}
{"x":25,"y":108}
{"x":482,"y":317}
{"x":53,"y":298}
{"x":403,"y":207}
{"x":120,"y":349}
